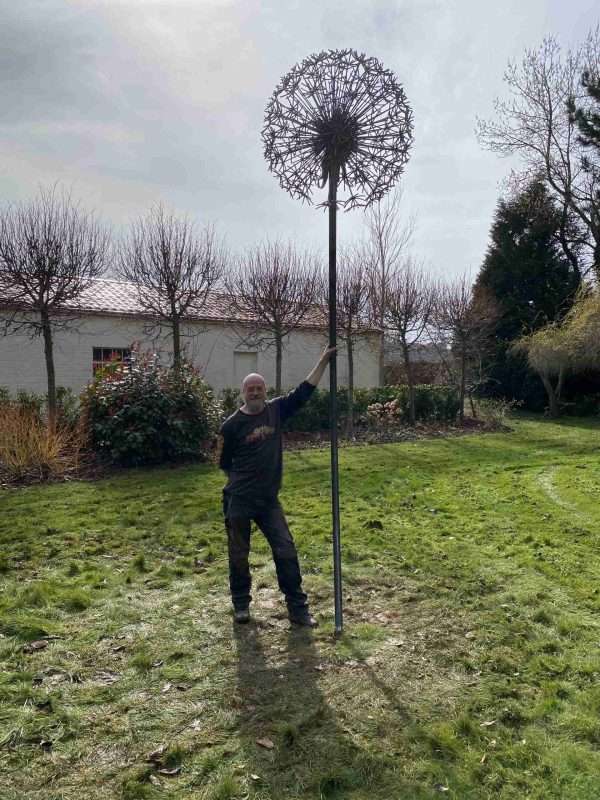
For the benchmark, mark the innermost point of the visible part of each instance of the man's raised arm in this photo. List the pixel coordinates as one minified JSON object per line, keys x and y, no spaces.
{"x":294,"y":401}
{"x":315,"y":375}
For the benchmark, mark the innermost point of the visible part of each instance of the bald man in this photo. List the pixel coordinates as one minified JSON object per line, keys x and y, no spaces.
{"x":251,"y":456}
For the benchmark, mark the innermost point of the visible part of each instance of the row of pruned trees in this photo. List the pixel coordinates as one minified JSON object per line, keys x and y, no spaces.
{"x":380,"y":287}
{"x":51,"y":251}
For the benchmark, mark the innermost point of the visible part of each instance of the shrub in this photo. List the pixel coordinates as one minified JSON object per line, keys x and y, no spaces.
{"x":28,"y":450}
{"x":142,"y":413}
{"x":586,"y":405}
{"x":230,"y":401}
{"x":495,"y":411}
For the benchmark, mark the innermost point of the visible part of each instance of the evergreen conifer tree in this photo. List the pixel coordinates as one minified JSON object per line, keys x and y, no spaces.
{"x":527,"y":274}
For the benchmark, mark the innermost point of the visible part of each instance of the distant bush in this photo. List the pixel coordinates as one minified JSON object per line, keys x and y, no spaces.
{"x":142,"y":413}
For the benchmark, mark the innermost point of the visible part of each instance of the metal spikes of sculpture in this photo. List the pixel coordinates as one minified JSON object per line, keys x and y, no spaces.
{"x":340,"y":118}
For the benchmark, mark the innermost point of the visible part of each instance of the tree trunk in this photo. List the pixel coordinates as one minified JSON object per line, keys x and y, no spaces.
{"x":278,"y":360}
{"x":51,"y":375}
{"x":559,"y":383}
{"x":596,"y":266}
{"x":463,"y":379}
{"x":382,"y":358}
{"x":552,"y":398}
{"x":567,"y":249}
{"x":472,"y":404}
{"x":412,"y":416}
{"x":176,"y":344}
{"x":350,"y":415}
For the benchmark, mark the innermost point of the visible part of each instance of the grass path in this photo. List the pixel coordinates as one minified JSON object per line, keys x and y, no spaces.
{"x":469,"y":667}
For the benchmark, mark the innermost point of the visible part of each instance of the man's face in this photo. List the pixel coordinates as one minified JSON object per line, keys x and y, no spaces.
{"x":254,"y":393}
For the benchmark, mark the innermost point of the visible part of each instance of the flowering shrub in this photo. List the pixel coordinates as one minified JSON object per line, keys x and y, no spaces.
{"x":142,"y":413}
{"x":385,"y":413}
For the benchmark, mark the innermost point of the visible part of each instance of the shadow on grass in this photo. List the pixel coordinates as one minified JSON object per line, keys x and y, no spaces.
{"x":281,"y":701}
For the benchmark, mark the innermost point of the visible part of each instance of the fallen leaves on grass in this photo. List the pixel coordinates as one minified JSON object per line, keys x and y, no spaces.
{"x":33,"y":647}
{"x":156,"y":755}
{"x":107,"y":677}
{"x":266,"y":743}
{"x":169,"y":772}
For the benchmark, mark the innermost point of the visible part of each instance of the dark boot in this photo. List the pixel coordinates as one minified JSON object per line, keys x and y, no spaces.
{"x":302,"y":617}
{"x":241,"y":615}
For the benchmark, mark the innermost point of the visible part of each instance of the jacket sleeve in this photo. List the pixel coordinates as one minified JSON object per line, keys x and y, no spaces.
{"x":226,"y":457}
{"x":292,"y":402}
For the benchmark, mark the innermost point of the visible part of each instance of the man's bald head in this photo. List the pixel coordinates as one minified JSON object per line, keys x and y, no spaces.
{"x":254,"y":377}
{"x":254,"y":392}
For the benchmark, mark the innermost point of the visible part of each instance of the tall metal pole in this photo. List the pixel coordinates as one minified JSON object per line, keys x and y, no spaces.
{"x":335,"y":494}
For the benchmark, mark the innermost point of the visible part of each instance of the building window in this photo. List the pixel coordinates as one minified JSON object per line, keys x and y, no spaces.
{"x":244,"y":363}
{"x":102,"y":356}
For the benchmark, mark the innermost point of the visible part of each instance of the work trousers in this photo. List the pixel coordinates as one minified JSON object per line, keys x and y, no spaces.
{"x":271,"y":521}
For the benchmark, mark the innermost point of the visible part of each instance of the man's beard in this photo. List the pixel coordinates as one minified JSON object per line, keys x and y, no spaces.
{"x":255,"y":406}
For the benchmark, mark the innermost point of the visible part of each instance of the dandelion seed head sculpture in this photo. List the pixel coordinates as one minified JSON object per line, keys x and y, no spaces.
{"x":338,"y":114}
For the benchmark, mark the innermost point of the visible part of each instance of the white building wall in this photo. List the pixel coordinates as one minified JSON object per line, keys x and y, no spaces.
{"x":211,"y":348}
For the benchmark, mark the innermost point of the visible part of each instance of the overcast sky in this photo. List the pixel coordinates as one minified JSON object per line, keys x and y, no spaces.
{"x":130,"y":102}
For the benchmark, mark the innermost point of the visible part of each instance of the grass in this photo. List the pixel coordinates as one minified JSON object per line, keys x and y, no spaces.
{"x":469,"y":667}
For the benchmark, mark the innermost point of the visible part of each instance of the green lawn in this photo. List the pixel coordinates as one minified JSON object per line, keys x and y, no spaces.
{"x":469,"y":667}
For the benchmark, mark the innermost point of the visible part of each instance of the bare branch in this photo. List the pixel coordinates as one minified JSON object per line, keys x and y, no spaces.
{"x":410,"y":305}
{"x":271,"y":292}
{"x":537,"y":123}
{"x":352,"y":310}
{"x":51,"y":251}
{"x":464,"y":320}
{"x":173,"y":266}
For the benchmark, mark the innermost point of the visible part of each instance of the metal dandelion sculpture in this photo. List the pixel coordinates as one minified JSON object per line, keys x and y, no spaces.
{"x":338,"y":118}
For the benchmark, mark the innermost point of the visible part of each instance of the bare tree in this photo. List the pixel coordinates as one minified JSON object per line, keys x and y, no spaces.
{"x":352,"y":311}
{"x":50,"y":253}
{"x":174,"y":267}
{"x":271,"y":292}
{"x":409,"y":307}
{"x":388,"y":237}
{"x":538,"y":125}
{"x":463,"y":320}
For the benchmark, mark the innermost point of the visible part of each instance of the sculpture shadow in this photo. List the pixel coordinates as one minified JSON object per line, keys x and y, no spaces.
{"x":281,"y":703}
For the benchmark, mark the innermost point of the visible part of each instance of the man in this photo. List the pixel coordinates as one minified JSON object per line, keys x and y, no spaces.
{"x":251,"y":457}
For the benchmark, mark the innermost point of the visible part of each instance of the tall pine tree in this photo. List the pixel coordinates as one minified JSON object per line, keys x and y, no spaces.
{"x":532,"y":282}
{"x":588,"y":122}
{"x":587,"y":119}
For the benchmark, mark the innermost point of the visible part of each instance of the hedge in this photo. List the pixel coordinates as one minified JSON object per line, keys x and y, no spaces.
{"x":432,"y":403}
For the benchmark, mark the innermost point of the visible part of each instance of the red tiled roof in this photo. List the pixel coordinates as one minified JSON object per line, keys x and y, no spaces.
{"x":107,"y":296}
{"x":119,"y":298}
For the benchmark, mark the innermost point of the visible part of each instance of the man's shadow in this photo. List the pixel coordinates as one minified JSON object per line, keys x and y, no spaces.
{"x":280,"y":703}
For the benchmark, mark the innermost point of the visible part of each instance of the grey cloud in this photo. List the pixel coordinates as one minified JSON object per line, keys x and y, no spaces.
{"x":133,"y":102}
